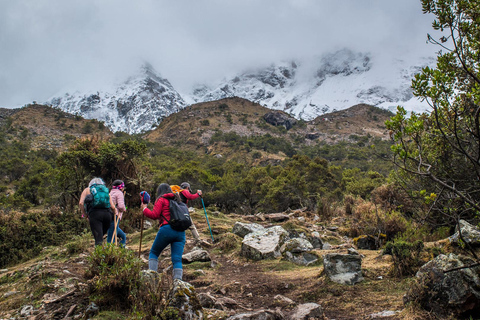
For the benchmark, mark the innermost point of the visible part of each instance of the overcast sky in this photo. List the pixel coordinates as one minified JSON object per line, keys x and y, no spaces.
{"x":49,"y":45}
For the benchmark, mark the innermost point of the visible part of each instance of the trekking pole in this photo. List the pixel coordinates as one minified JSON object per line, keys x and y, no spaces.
{"x":141,"y":236}
{"x":205,"y":210}
{"x":115,"y":220}
{"x":116,"y":226}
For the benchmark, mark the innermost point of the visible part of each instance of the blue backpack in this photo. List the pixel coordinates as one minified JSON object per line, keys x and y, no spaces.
{"x":101,"y":196}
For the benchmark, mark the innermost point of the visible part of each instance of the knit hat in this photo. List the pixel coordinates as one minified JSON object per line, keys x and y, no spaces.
{"x":185,"y":185}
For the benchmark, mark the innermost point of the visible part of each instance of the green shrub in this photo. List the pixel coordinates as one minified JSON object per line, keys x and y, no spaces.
{"x":113,"y":274}
{"x":228,"y":242}
{"x":406,"y":256}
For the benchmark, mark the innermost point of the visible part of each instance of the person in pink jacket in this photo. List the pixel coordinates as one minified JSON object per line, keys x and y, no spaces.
{"x":185,"y":195}
{"x":118,"y":198}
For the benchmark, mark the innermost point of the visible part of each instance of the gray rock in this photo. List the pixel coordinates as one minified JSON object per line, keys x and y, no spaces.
{"x":27,"y":310}
{"x":10,"y":293}
{"x":352,"y":251}
{"x":277,"y":217}
{"x":470,"y":233}
{"x":296,"y":245}
{"x":297,"y":250}
{"x":206,"y":300}
{"x":383,"y":314}
{"x":283,"y":301}
{"x":447,"y":294}
{"x":183,"y":297}
{"x":91,"y":311}
{"x":147,"y":225}
{"x":242,"y":229}
{"x":307,"y":311}
{"x":225,"y":303}
{"x":343,"y":268}
{"x":258,"y":315}
{"x":315,"y":241}
{"x":150,"y":280}
{"x":264,"y":244}
{"x":197,"y":255}
{"x":326,"y":246}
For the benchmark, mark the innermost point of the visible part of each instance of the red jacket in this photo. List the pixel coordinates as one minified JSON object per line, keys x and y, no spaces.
{"x":189,"y":195}
{"x":160,"y":208}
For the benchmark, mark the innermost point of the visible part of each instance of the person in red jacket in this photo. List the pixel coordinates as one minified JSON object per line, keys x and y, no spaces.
{"x":166,"y":235}
{"x":186,"y":194}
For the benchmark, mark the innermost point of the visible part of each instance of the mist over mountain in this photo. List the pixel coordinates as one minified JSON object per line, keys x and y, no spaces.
{"x":335,"y":81}
{"x":305,"y":89}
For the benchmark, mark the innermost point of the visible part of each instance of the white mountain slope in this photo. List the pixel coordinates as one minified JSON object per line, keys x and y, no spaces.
{"x":332,"y":82}
{"x":305,"y":89}
{"x":133,"y":106}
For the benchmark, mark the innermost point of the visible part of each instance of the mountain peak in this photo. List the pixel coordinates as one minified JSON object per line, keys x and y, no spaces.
{"x":135,"y":105}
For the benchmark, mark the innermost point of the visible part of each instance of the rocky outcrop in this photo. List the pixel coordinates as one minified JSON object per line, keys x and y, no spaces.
{"x":343,"y":268}
{"x":455,"y":293}
{"x":184,"y":299}
{"x":264,"y":244}
{"x":278,"y":118}
{"x":470,"y":234}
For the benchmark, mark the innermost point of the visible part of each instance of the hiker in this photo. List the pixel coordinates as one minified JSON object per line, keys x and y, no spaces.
{"x":99,"y":211}
{"x":117,"y":194}
{"x":185,"y":195}
{"x":166,"y":235}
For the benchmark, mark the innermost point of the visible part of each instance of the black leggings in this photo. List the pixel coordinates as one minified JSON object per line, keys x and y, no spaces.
{"x":100,"y":220}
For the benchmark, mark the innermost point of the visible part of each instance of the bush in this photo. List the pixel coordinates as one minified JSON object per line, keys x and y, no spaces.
{"x":113,"y":274}
{"x":228,"y":242}
{"x":406,"y":256}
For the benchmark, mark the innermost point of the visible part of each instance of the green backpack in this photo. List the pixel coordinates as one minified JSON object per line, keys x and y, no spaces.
{"x":101,"y":197}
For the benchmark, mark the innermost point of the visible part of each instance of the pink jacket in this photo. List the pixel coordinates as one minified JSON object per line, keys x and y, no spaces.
{"x":118,"y":199}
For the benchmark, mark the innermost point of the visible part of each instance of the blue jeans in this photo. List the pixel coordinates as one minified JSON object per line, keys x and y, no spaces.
{"x":167,"y":236}
{"x":120,"y":234}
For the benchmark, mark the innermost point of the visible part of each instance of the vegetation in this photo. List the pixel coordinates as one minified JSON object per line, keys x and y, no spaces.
{"x":438,"y":152}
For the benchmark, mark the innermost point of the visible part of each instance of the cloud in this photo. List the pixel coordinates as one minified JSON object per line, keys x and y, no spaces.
{"x":50,"y":45}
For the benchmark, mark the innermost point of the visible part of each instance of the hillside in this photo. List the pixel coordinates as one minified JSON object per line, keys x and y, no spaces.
{"x":228,"y":119}
{"x":47,"y":127}
{"x":55,"y":283}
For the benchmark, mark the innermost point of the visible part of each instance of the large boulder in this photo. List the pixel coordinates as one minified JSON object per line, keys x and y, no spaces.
{"x":297,"y":250}
{"x":264,"y":244}
{"x":278,"y":118}
{"x":454,"y":293}
{"x":242,"y":229}
{"x":343,"y":268}
{"x":470,"y":233}
{"x":184,"y":299}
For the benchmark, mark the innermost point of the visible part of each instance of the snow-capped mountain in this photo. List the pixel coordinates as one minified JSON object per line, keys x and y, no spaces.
{"x":133,"y":106}
{"x":305,"y":89}
{"x":331,"y":82}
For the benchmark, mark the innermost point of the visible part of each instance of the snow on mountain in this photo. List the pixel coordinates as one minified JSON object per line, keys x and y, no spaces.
{"x":336,"y":81}
{"x":133,"y":106}
{"x":305,"y":89}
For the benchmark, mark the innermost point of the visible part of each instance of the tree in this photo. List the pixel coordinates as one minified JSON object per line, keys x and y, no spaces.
{"x":438,"y":152}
